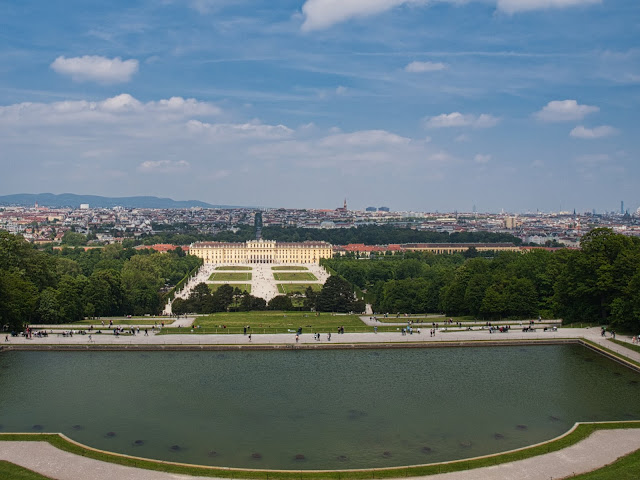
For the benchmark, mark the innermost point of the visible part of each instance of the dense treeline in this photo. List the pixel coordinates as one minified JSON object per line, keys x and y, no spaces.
{"x":368,"y":234}
{"x":55,"y":286}
{"x":382,"y":235}
{"x":598,"y":283}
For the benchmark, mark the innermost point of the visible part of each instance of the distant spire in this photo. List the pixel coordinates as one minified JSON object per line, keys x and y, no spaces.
{"x":345,"y":203}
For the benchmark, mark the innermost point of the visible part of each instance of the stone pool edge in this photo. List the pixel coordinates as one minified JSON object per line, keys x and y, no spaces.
{"x":615,"y":356}
{"x":580,"y":430}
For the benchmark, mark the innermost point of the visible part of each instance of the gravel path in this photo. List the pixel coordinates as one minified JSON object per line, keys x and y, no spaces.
{"x":599,"y":449}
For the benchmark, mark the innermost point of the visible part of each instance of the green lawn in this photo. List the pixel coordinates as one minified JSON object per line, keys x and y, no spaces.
{"x":230,"y":277}
{"x":244,"y":287}
{"x":16,"y":472}
{"x":630,"y":346}
{"x":275,"y":322}
{"x":295,"y":277}
{"x":124,"y":321}
{"x":297,"y":287}
{"x":292,"y":267}
{"x":233,"y":267}
{"x":625,"y":468}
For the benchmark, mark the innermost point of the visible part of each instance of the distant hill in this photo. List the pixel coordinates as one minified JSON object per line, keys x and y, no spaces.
{"x":72,"y":200}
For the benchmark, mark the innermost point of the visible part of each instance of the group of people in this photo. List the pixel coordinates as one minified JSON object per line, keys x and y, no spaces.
{"x":316,"y":336}
{"x":603,"y":332}
{"x":408,"y":330}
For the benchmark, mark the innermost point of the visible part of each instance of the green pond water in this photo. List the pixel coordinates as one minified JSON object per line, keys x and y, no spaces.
{"x":337,"y":408}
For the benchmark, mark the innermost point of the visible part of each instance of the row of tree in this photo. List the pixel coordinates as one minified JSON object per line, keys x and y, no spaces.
{"x":336,"y":295}
{"x":66,"y":285}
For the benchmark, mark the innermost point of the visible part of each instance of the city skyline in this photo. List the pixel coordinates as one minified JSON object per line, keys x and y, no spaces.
{"x":416,"y":105}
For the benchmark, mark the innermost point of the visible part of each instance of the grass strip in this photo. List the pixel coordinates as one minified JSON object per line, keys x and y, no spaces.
{"x":630,"y":346}
{"x":625,"y":468}
{"x":578,"y":433}
{"x":230,"y":276}
{"x":611,"y":352}
{"x":294,"y":277}
{"x":16,"y":472}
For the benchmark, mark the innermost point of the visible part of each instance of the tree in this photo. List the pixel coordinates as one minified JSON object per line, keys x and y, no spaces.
{"x":310,"y":298}
{"x":70,"y":298}
{"x":336,"y":296}
{"x":18,"y":299}
{"x":280,"y":302}
{"x":590,"y":280}
{"x":141,"y":283}
{"x":73,"y":239}
{"x":48,"y":306}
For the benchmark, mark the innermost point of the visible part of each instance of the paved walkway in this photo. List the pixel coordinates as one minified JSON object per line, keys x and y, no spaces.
{"x":599,"y":449}
{"x":306,"y":338}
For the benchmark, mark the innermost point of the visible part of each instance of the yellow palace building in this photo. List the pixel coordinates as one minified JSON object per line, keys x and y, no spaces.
{"x":261,"y":251}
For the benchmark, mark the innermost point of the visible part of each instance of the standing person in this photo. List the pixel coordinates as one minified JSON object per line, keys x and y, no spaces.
{"x":6,"y":338}
{"x":249,"y":337}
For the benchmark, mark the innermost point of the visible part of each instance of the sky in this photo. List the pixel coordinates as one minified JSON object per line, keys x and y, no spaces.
{"x":418,"y":105}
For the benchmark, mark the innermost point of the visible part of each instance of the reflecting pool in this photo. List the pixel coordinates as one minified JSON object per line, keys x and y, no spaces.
{"x":303,"y":409}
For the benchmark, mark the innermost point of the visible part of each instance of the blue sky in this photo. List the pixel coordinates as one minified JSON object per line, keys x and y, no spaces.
{"x":420,"y":105}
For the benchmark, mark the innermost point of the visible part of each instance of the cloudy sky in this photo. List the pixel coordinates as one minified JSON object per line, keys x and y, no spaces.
{"x":416,"y":104}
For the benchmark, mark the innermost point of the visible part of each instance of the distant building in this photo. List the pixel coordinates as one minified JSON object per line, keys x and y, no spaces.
{"x":371,"y":209}
{"x":383,"y":209}
{"x":437,"y":248}
{"x":511,"y":223}
{"x":261,"y":251}
{"x":161,"y":247}
{"x":343,"y":208}
{"x":84,"y":206}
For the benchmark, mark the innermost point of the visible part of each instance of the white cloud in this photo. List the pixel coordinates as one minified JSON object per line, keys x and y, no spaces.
{"x":457,"y":119}
{"x":353,"y":152}
{"x":163,"y":166}
{"x":321,"y":14}
{"x":96,"y":68}
{"x":229,"y":132}
{"x":482,"y":158}
{"x":591,"y":133}
{"x":462,"y":138}
{"x":118,"y":109}
{"x":364,"y":138}
{"x":340,"y":90}
{"x":420,"y":67}
{"x":564,"y":111}
{"x":515,"y":6}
